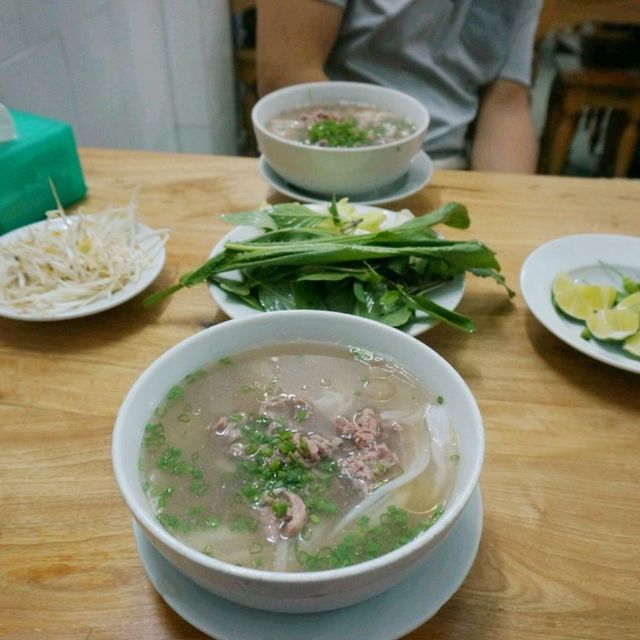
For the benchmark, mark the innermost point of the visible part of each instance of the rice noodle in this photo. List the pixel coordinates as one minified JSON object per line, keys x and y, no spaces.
{"x":282,"y":556}
{"x":69,"y":262}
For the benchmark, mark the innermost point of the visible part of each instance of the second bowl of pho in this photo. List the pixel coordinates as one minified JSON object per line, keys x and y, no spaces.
{"x":343,"y":138}
{"x":298,"y":461}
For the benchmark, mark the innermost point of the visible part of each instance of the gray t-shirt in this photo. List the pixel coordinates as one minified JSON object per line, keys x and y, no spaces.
{"x":443,"y":52}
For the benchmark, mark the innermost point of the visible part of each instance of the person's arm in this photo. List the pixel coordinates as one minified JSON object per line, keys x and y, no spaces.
{"x":293,"y":40}
{"x":505,"y":138}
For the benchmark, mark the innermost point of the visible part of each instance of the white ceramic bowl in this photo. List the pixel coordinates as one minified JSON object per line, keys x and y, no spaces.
{"x":299,"y":591}
{"x":339,"y":171}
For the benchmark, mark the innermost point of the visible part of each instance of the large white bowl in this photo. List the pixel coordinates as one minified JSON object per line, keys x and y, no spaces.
{"x":340,"y":171}
{"x":299,"y":591}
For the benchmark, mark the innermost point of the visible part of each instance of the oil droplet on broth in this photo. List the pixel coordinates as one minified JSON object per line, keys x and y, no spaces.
{"x":380,"y":389}
{"x":380,"y":370}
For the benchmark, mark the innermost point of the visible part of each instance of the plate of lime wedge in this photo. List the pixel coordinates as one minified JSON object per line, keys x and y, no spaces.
{"x":585,"y":289}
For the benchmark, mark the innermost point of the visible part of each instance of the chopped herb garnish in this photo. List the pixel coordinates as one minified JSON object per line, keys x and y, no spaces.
{"x":244,"y":523}
{"x":322,"y":505}
{"x":194,"y":375}
{"x":153,"y":435}
{"x":368,"y":542}
{"x":172,"y":461}
{"x":195,"y":518}
{"x":169,"y":521}
{"x":175,"y":393}
{"x":337,"y":133}
{"x":274,"y":461}
{"x":198,"y":487}
{"x":279,"y":509}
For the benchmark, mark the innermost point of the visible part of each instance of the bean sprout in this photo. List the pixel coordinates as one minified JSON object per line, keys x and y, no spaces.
{"x":70,"y":261}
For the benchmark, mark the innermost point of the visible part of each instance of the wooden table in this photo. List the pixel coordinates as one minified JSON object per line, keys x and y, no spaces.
{"x":560,"y":550}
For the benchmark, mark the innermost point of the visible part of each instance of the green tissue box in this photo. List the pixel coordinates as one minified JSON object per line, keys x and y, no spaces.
{"x":43,"y":149}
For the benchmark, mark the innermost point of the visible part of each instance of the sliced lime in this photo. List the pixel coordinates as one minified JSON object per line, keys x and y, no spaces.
{"x":613,"y":324}
{"x":562,"y":282}
{"x":581,"y":300}
{"x":371,"y":220}
{"x":632,"y":344}
{"x":631,"y":302}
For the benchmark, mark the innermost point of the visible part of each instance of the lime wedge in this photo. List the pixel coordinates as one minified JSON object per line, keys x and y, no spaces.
{"x":371,"y":221}
{"x":598,"y":296}
{"x":581,"y":300}
{"x":562,"y":282}
{"x":632,"y":344}
{"x":631,"y":302}
{"x":613,"y":324}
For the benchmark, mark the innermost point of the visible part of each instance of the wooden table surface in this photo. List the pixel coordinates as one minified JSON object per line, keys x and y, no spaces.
{"x":560,"y":549}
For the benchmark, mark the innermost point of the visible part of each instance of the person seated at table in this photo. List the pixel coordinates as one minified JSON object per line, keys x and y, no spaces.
{"x":468,"y":61}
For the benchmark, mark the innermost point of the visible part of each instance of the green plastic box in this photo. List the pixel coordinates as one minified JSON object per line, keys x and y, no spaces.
{"x":43,"y":149}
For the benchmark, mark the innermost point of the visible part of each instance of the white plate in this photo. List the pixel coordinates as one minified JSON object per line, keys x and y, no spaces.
{"x":448,"y":295}
{"x":147,"y":276}
{"x":389,"y":616}
{"x":419,"y":174}
{"x":581,"y":257}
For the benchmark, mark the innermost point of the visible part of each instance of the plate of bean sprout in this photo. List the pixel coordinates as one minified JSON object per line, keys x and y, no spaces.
{"x":71,"y":266}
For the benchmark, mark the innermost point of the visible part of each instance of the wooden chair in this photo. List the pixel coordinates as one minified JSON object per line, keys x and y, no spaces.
{"x":579,"y":87}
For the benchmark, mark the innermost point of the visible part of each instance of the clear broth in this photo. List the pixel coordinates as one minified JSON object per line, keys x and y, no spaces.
{"x":217,"y":457}
{"x":349,"y":125}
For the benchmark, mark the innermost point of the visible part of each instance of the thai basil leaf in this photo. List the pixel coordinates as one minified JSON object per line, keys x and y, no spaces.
{"x":308,"y":295}
{"x":492,"y":273}
{"x":276,"y":297}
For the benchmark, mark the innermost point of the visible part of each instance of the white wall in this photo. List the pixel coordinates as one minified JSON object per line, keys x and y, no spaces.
{"x":137,"y":74}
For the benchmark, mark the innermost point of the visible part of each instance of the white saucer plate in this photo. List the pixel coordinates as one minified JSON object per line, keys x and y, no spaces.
{"x":448,"y":295}
{"x":389,"y":616}
{"x":587,"y":257}
{"x":149,"y":242}
{"x":419,"y":174}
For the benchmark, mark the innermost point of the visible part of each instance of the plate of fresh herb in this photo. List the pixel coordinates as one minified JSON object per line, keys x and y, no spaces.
{"x":392,"y":267}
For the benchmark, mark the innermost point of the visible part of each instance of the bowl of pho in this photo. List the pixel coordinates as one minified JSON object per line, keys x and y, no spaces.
{"x":298,"y":461}
{"x":345,"y":138}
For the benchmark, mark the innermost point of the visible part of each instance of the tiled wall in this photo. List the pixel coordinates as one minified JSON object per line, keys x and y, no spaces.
{"x":140,"y":74}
